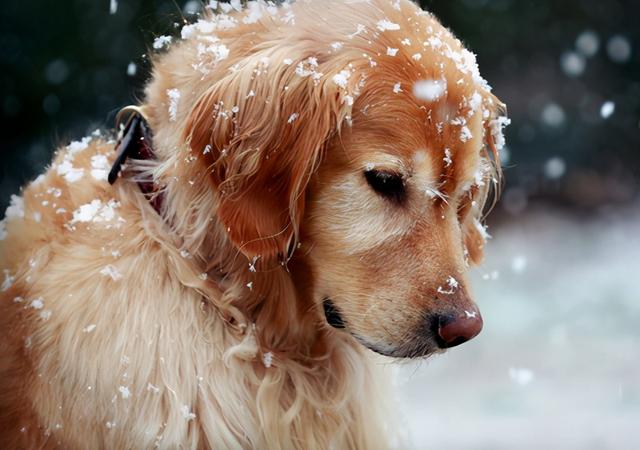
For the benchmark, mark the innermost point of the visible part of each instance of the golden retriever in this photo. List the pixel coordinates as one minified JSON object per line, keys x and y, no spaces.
{"x":313,"y":186}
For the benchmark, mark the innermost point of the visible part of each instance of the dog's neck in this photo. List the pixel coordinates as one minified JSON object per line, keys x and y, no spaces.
{"x":275,"y":297}
{"x":263,"y":290}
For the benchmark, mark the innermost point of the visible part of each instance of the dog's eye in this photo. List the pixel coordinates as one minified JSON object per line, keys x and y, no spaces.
{"x":387,"y":184}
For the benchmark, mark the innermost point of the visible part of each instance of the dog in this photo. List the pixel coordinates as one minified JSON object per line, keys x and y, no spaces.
{"x":302,"y":184}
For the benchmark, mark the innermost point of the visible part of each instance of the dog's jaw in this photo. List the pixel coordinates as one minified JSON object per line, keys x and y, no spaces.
{"x":412,"y":349}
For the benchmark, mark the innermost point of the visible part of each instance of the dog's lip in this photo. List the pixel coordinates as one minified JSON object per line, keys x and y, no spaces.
{"x":399,"y":352}
{"x":334,"y":318}
{"x":332,"y":314}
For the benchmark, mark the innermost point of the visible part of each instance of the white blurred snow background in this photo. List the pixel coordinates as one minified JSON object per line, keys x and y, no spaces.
{"x":557,"y":365}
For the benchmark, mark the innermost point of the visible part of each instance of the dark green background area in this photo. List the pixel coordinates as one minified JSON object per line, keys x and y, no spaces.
{"x":63,"y":73}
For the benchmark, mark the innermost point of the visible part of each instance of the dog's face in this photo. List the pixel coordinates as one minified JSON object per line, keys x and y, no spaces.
{"x":390,"y":225}
{"x":374,"y":155}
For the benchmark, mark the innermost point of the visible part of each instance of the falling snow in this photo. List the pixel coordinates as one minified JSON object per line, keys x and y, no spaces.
{"x":521,"y":376}
{"x":607,"y":109}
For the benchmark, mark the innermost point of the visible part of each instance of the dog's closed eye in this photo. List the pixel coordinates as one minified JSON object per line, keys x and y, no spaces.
{"x":387,"y":184}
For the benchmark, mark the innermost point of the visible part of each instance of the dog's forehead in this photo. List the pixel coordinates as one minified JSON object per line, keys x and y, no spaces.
{"x":424,"y":118}
{"x":429,"y":140}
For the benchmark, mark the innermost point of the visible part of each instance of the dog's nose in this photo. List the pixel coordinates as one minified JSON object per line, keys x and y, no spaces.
{"x":456,"y":330}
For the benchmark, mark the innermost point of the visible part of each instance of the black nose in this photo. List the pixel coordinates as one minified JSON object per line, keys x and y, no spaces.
{"x":455,"y":330}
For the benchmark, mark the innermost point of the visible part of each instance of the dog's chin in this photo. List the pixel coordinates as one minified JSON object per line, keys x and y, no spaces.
{"x":409,"y":350}
{"x":417,"y":348}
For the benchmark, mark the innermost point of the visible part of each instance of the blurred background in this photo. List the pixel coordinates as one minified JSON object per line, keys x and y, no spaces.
{"x":558,"y":364}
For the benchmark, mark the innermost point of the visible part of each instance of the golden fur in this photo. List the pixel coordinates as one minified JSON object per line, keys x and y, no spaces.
{"x":203,"y":327}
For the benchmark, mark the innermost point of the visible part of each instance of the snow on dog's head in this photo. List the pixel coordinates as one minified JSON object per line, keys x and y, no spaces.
{"x":357,"y":138}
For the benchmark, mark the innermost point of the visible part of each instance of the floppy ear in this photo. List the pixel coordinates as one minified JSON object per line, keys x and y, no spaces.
{"x":260,"y":131}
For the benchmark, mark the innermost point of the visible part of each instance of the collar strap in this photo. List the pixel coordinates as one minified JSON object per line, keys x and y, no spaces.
{"x":135,"y":141}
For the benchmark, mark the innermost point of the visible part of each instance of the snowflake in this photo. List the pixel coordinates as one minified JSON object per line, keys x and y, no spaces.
{"x":95,"y":211}
{"x":124,"y":392}
{"x":100,"y":167}
{"x":112,"y":272}
{"x":174,"y":98}
{"x":186,"y":413}
{"x":70,"y":173}
{"x":447,"y":157}
{"x":386,"y":25}
{"x":78,"y":146}
{"x":38,"y":303}
{"x":452,"y":283}
{"x":429,"y":90}
{"x":341,"y":78}
{"x":607,"y":109}
{"x":16,"y":208}
{"x":521,"y":376}
{"x":482,"y":230}
{"x":465,"y":134}
{"x":497,"y":127}
{"x":161,"y":42}
{"x":8,"y":281}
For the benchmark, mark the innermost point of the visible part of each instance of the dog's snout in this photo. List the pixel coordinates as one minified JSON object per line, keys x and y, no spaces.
{"x":455,"y":330}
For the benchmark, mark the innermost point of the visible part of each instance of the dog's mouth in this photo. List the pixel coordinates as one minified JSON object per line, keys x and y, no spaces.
{"x":331,"y":313}
{"x":418,"y":349}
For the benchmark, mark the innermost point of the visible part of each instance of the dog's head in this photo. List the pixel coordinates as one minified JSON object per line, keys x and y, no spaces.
{"x":365,"y":152}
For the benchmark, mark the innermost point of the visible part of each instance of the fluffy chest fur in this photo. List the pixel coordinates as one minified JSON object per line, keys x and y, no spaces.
{"x":112,"y":340}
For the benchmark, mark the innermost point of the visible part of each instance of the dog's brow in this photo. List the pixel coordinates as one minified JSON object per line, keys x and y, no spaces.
{"x":384,"y":161}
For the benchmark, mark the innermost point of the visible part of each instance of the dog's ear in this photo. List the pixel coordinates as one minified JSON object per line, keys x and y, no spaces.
{"x":260,"y":131}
